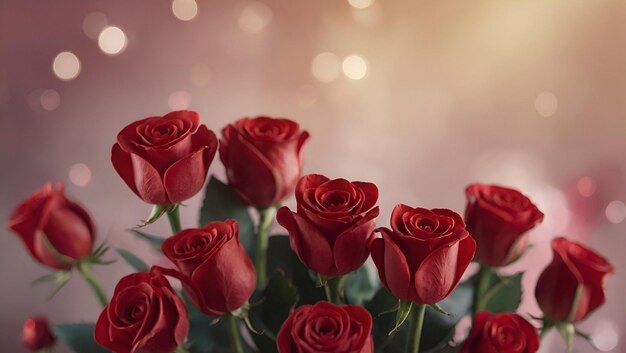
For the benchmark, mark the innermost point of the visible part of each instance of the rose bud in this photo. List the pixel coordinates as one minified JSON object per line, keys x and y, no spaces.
{"x":325,"y":327}
{"x":262,"y":157}
{"x":572,"y":286}
{"x":164,"y":160}
{"x":36,"y":334}
{"x":144,"y":315}
{"x":501,"y":333}
{"x":49,"y":214}
{"x":498,"y":219}
{"x":214,"y":268}
{"x":333,"y":225}
{"x":424,"y":254}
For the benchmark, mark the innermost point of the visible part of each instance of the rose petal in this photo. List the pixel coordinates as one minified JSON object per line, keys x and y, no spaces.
{"x":185,"y":178}
{"x":351,"y":247}
{"x":396,"y":268}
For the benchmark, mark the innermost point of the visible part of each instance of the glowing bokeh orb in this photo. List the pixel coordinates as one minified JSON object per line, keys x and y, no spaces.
{"x":354,"y":67}
{"x":112,"y":40}
{"x":326,"y":67}
{"x":66,"y":66}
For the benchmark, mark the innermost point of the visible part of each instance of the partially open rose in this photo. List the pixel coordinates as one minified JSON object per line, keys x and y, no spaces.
{"x":501,"y":333}
{"x":164,"y":160}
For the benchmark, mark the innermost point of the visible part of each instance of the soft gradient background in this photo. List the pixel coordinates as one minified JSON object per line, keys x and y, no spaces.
{"x":529,"y":94}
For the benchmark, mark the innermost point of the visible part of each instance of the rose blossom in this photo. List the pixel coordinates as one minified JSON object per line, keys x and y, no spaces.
{"x":333,"y":224}
{"x":263,"y":159}
{"x":164,"y":160}
{"x":501,"y":333}
{"x":498,"y":219}
{"x":214,"y":268}
{"x":144,"y":315}
{"x":325,"y":327}
{"x":36,"y":334}
{"x":572,"y":286}
{"x":66,"y":225}
{"x":424,"y":254}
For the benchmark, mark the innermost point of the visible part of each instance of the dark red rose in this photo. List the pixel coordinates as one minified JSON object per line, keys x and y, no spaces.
{"x":501,"y":333}
{"x":36,"y":334}
{"x":424,"y":254}
{"x":333,"y":225}
{"x":49,"y":213}
{"x":144,"y":316}
{"x":262,"y":157}
{"x":325,"y":327}
{"x":498,"y":219}
{"x":164,"y":160}
{"x":214,"y":268}
{"x":572,"y":286}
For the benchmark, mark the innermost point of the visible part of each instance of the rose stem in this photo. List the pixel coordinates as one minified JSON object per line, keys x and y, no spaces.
{"x":481,"y":288}
{"x":174,"y":217}
{"x":181,"y":349}
{"x":262,"y":241}
{"x":334,"y":288}
{"x":547,"y":326}
{"x":415,"y":331}
{"x":233,"y":333}
{"x":84,"y":269}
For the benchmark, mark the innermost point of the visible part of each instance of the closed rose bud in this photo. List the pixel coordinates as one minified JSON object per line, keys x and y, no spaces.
{"x":144,"y":315}
{"x":498,"y":219}
{"x":501,"y":333}
{"x":572,"y":286}
{"x":165,"y":160}
{"x":424,"y":255}
{"x":36,"y":334}
{"x":327,"y":328}
{"x":333,"y":225}
{"x":262,"y":157}
{"x":49,"y":214}
{"x":214,"y":268}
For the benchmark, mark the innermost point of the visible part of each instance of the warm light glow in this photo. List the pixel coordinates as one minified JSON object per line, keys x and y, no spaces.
{"x":255,"y":17}
{"x":361,"y":4}
{"x":185,"y":10}
{"x":615,"y":211}
{"x":112,"y":40}
{"x":80,"y":174}
{"x":354,"y":67}
{"x":200,"y":75}
{"x":179,"y":100}
{"x":93,"y":24}
{"x":546,"y":104}
{"x":50,"y":100}
{"x":586,"y":186}
{"x":605,"y":336}
{"x":325,"y":67}
{"x":66,"y":66}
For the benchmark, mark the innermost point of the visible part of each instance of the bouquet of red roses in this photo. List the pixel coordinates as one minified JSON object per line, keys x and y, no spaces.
{"x":242,"y":289}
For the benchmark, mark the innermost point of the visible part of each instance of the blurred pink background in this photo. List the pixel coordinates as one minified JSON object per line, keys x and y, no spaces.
{"x":420,"y":97}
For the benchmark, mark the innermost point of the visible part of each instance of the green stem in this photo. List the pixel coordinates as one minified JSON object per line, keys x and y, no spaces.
{"x":267,"y":216}
{"x":415,"y":331}
{"x":547,"y":326}
{"x":233,"y":333}
{"x":174,"y":217}
{"x":84,"y":269}
{"x":334,"y":288}
{"x":181,"y":349}
{"x":482,"y":286}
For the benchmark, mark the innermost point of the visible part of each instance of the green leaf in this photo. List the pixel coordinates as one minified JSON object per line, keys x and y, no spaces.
{"x":438,"y":328}
{"x":153,"y":240}
{"x":157,"y":212}
{"x":504,"y":294}
{"x":279,"y":298}
{"x":79,"y":337}
{"x":221,"y":203}
{"x":135,"y":262}
{"x":361,"y":285}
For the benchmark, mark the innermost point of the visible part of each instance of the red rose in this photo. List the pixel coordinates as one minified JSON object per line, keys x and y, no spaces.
{"x":498,"y":218}
{"x":262,"y":158}
{"x":325,"y":327}
{"x":424,"y":254}
{"x":165,"y":160}
{"x":572,"y":286}
{"x":215,"y":269}
{"x":333,"y":225}
{"x":501,"y":333}
{"x":36,"y":334}
{"x":144,"y":315}
{"x":49,"y":213}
